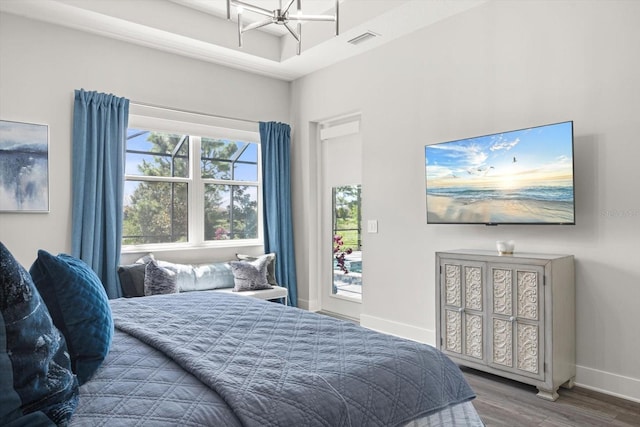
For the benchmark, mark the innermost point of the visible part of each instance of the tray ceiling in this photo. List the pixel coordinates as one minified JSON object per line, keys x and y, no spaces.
{"x":199,"y":28}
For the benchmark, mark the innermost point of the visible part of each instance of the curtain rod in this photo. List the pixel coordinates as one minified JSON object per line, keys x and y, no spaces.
{"x":162,"y":107}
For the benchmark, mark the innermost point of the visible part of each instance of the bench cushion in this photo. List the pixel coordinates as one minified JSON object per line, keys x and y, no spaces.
{"x":267,"y":294}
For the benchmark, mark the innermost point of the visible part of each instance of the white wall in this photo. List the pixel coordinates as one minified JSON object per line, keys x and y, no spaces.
{"x":40,"y":67}
{"x":501,"y":66}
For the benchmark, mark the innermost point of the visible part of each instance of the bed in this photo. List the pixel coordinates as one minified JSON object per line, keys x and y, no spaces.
{"x":70,"y":356}
{"x":210,"y":358}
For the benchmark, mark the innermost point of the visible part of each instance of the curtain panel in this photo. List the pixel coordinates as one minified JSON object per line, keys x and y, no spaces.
{"x":99,"y":136}
{"x":275,"y":142}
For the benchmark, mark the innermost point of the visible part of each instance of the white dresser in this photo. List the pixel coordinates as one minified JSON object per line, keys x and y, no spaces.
{"x":510,"y":315}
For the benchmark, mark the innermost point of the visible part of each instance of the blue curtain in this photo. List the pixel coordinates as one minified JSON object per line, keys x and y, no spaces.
{"x":275,"y":140}
{"x":99,"y":134}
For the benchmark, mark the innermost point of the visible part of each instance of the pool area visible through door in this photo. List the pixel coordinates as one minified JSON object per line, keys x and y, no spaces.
{"x":347,"y":241}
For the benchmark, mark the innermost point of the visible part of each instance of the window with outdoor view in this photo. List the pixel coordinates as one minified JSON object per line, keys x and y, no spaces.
{"x":347,"y":241}
{"x":189,"y":189}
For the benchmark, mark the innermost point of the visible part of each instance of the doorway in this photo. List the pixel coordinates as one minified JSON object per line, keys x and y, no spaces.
{"x":341,"y":263}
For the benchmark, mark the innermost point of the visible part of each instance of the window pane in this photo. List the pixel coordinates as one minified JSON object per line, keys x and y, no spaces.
{"x":231,"y":212}
{"x":346,"y":217}
{"x":157,"y":154}
{"x":154,"y":212}
{"x":245,"y":172}
{"x":347,"y":249}
{"x":247,"y":164}
{"x":235,"y":160}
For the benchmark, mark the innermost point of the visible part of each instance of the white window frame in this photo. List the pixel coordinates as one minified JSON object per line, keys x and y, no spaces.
{"x":198,"y":128}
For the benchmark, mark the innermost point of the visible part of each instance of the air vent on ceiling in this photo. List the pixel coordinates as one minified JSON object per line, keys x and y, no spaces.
{"x":368,"y":35}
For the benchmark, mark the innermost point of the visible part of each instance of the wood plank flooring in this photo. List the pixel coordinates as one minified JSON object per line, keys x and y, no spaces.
{"x":505,"y":403}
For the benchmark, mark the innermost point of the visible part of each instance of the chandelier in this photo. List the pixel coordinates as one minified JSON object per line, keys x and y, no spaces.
{"x":280,"y":16}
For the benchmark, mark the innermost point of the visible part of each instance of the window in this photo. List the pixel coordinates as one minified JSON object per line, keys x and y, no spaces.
{"x":195,"y":188}
{"x":347,"y":241}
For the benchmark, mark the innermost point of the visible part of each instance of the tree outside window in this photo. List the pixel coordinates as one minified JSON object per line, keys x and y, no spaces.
{"x":159,"y":185}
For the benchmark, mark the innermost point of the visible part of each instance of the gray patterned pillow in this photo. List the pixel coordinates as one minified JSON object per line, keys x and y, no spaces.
{"x":159,"y":280}
{"x":250,"y":275}
{"x":271,"y":265}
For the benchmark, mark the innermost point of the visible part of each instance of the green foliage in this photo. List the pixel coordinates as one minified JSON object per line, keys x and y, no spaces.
{"x":237,"y":220}
{"x":346,"y":220}
{"x":157,"y":212}
{"x":216,"y":149}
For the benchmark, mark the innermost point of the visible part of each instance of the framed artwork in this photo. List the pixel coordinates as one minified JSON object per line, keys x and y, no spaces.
{"x":24,"y":167}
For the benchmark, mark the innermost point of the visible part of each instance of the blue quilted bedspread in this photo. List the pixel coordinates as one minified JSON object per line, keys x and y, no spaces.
{"x":280,"y":366}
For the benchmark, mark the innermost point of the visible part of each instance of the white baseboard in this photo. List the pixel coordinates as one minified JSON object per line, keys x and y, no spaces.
{"x":339,"y":316}
{"x":589,"y":378}
{"x":608,"y":383}
{"x":309,"y":305}
{"x":398,"y":329}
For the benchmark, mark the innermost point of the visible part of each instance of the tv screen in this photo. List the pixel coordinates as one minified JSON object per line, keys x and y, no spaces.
{"x":517,"y":177}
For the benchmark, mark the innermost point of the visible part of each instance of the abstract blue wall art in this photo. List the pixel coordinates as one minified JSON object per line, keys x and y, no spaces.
{"x":24,"y":167}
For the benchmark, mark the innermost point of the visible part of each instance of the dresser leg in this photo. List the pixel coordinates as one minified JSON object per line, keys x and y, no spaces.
{"x":569,"y":384}
{"x":551,"y":395}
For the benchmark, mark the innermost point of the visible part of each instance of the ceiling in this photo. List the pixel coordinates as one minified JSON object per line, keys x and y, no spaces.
{"x":199,"y":28}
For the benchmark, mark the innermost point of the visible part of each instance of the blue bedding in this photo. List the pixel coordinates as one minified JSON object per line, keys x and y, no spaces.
{"x":274,"y":365}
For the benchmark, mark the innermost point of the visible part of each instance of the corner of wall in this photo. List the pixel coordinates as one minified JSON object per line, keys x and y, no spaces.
{"x":608,"y":383}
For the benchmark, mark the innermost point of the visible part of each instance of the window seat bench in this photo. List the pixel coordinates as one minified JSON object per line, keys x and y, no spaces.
{"x":277,"y":292}
{"x":216,"y":276}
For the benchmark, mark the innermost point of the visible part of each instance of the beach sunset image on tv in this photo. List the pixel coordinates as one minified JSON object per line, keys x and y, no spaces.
{"x":522,"y":176}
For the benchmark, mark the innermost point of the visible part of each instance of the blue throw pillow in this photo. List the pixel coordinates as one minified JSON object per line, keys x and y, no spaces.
{"x":79,"y":307}
{"x":37,"y":386}
{"x":217,"y":275}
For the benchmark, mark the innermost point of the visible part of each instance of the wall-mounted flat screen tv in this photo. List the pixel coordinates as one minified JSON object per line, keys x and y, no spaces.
{"x":518,"y":177}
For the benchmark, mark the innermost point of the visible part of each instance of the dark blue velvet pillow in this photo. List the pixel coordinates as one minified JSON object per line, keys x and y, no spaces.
{"x":37,"y":386}
{"x":79,"y":307}
{"x":132,"y":279}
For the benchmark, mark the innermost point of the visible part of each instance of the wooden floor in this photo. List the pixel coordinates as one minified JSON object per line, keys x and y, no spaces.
{"x":505,"y":403}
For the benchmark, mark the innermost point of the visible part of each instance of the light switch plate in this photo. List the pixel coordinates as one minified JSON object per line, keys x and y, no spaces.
{"x":372,"y":226}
